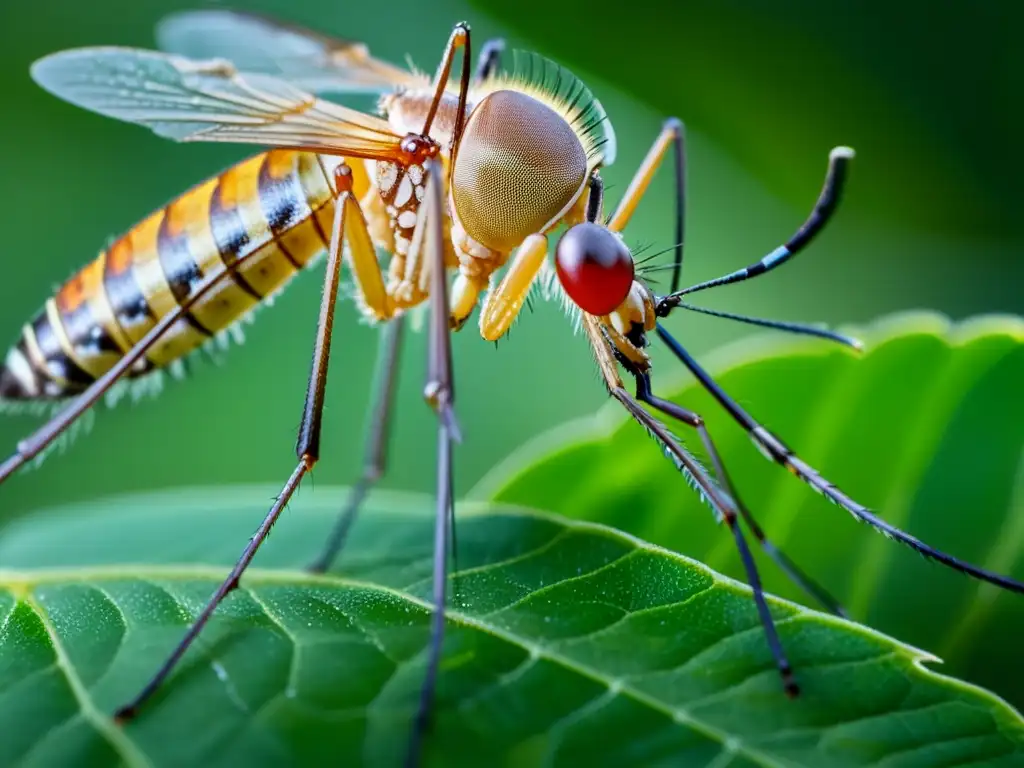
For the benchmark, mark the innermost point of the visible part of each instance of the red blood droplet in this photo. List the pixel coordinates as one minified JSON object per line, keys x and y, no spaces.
{"x":595,"y":268}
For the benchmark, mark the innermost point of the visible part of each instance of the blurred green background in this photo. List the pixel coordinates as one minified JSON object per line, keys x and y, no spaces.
{"x":927,"y":93}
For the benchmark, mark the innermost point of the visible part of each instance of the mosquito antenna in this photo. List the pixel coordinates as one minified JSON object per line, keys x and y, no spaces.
{"x":838,"y":162}
{"x":780,"y":325}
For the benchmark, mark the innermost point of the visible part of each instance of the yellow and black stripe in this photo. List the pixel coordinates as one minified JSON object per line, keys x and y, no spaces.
{"x":274,"y":210}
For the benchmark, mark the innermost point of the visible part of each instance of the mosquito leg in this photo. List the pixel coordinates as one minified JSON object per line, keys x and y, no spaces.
{"x":376,"y":443}
{"x":459,"y":39}
{"x":400,"y":182}
{"x":407,"y":287}
{"x":725,"y":507}
{"x":775,"y":450}
{"x":801,"y":579}
{"x":403,"y":188}
{"x":672,"y":135}
{"x":439,"y":393}
{"x":307,"y":448}
{"x":689,"y":466}
{"x":490,"y":59}
{"x":680,"y":168}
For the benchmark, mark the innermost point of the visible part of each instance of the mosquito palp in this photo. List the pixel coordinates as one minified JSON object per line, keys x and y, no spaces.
{"x":779,"y":325}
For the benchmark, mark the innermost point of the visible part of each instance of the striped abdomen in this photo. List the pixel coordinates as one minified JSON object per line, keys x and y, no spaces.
{"x":274,"y":210}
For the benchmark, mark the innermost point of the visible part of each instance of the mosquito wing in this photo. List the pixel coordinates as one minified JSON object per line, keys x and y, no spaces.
{"x":209,"y":100}
{"x":309,"y":59}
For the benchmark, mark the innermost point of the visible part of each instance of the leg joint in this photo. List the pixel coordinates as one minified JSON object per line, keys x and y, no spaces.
{"x":342,"y":179}
{"x":436,"y":394}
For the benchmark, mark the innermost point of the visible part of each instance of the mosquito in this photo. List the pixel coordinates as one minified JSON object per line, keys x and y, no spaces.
{"x":462,"y":184}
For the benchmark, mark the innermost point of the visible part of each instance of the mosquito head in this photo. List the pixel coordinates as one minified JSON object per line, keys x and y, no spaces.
{"x":518,"y":169}
{"x":595,"y":267}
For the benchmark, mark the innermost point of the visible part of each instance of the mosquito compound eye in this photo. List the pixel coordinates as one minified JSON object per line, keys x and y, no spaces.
{"x":519,"y":166}
{"x":595,"y":268}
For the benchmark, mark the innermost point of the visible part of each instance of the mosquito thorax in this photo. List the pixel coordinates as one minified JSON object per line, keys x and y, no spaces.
{"x":518,"y":170}
{"x":406,"y":111}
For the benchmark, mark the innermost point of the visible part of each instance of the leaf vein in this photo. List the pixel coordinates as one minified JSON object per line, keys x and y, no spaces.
{"x":215,"y":664}
{"x":293,"y":664}
{"x":132,"y":755}
{"x":628,"y":615}
{"x":696,"y":658}
{"x":124,"y":622}
{"x":723,"y":758}
{"x":508,"y":678}
{"x":557,"y":730}
{"x":938,"y":743}
{"x":540,"y":591}
{"x":542,"y":549}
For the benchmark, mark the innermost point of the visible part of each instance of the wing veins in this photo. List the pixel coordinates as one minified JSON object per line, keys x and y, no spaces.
{"x":192,"y":100}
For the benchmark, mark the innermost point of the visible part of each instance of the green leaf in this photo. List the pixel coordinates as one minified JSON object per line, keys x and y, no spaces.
{"x":926,"y":428}
{"x":567,"y":642}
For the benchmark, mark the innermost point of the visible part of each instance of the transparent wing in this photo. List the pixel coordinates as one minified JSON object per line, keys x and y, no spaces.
{"x":309,"y":59}
{"x":192,"y":100}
